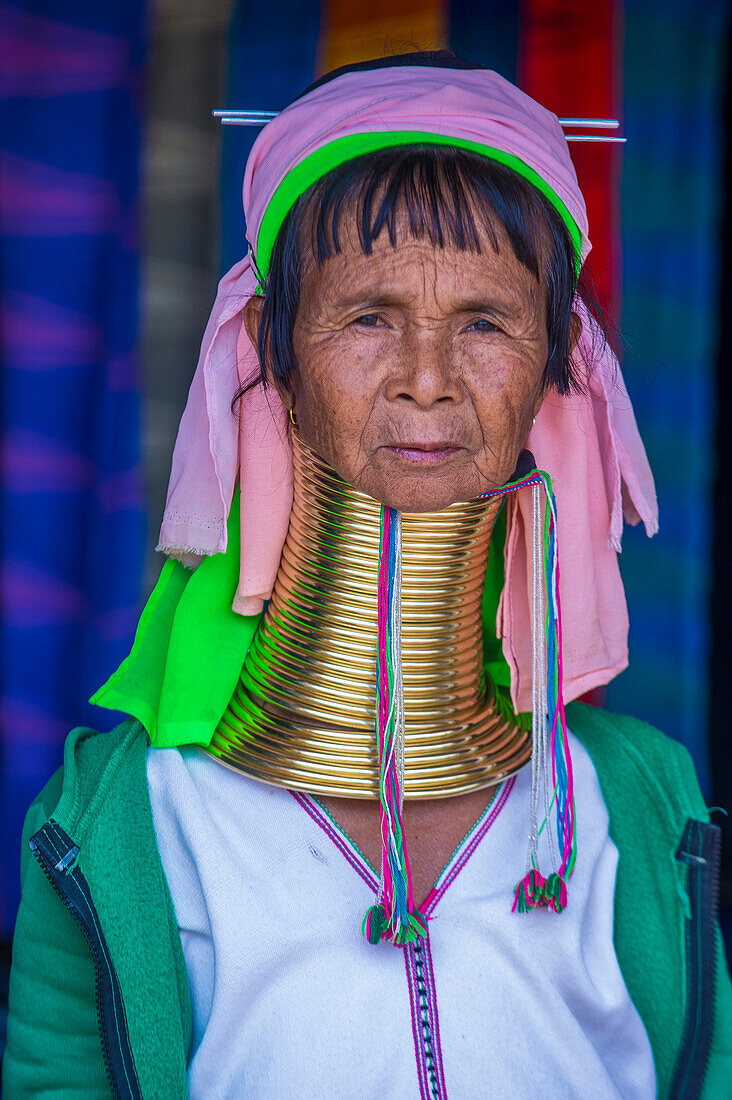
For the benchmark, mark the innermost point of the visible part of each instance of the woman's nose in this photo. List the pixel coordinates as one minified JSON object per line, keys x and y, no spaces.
{"x":424,"y":372}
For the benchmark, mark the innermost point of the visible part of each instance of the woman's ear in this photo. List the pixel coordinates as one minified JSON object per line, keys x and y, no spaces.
{"x":575,"y":330}
{"x":253,"y":319}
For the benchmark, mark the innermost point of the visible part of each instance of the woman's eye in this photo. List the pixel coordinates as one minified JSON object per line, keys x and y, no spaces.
{"x":482,"y":325}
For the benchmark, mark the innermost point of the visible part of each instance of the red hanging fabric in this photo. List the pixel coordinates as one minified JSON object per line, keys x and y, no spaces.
{"x":569,"y":60}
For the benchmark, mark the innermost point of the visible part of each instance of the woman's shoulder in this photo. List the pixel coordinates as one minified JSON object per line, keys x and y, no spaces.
{"x":638,"y":765}
{"x":94,"y":761}
{"x":665,"y":896}
{"x":116,"y":900}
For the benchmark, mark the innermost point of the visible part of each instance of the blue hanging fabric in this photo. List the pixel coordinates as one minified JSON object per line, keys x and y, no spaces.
{"x":73,"y":525}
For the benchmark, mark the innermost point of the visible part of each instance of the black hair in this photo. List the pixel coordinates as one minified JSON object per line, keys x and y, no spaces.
{"x":447,"y":195}
{"x":434,"y":59}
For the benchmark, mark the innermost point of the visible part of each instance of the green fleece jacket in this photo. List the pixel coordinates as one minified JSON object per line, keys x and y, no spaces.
{"x":665,"y":938}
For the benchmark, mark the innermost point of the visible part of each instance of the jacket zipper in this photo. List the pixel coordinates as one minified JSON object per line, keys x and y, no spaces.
{"x":56,"y":853}
{"x":700,"y":850}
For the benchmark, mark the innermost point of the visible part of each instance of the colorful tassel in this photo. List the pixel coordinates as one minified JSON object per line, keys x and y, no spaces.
{"x":535,"y":892}
{"x":551,"y":764}
{"x":393,"y":917}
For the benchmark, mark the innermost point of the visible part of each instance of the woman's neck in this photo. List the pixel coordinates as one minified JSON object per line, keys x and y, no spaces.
{"x":302,"y":714}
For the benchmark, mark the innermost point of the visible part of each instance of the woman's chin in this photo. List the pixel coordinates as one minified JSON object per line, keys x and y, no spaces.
{"x":429,"y":497}
{"x":415,"y":482}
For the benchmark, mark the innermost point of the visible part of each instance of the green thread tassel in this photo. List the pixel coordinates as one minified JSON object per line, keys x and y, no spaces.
{"x":533,"y":891}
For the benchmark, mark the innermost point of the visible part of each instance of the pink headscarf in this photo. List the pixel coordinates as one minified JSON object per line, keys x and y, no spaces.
{"x":589,"y":444}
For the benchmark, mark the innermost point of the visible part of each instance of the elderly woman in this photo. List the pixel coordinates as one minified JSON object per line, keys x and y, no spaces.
{"x":301,"y":867}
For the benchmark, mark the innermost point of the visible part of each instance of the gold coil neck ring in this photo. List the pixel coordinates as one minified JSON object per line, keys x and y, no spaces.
{"x":302,"y":713}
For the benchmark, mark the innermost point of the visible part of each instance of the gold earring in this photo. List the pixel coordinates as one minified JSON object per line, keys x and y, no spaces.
{"x":533,"y":423}
{"x":293,"y":418}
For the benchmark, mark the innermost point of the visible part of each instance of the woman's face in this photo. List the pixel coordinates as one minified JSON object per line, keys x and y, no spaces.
{"x":419,"y":369}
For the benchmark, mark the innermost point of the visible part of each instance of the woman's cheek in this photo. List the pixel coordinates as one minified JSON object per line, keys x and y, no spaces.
{"x":506,"y":380}
{"x":503,"y":394}
{"x":335,"y":393}
{"x":353,"y":369}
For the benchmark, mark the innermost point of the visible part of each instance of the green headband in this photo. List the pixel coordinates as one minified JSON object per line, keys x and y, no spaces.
{"x":337,"y":152}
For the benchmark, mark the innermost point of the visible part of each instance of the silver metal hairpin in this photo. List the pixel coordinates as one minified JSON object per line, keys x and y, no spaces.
{"x":261,"y":118}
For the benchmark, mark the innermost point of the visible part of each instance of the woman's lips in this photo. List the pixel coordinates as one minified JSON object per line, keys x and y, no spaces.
{"x":425,"y":453}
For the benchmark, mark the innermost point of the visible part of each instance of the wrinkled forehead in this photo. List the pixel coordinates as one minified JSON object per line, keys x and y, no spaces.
{"x":415,"y":276}
{"x":361,"y":112}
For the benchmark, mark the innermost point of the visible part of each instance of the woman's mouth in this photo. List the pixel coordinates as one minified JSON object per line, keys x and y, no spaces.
{"x":425,"y":453}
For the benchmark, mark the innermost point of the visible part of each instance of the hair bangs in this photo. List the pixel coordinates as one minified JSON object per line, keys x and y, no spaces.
{"x":436,"y":194}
